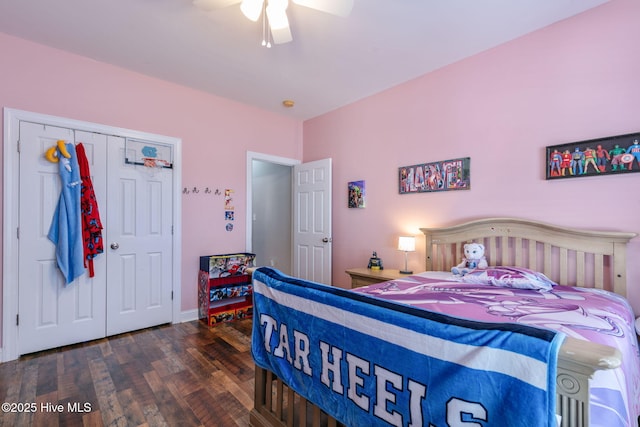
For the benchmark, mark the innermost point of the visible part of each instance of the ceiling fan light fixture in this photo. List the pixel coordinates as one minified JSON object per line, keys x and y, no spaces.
{"x":251,"y":9}
{"x":278,"y":24}
{"x":275,"y":23}
{"x":277,"y":18}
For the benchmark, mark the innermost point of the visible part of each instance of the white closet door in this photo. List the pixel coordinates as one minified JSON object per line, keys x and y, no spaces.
{"x":139,"y":245}
{"x":132,"y":286}
{"x":53,"y":314}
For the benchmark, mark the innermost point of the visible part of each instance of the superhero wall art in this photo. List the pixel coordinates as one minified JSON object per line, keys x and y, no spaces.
{"x":604,"y":156}
{"x":436,"y":176}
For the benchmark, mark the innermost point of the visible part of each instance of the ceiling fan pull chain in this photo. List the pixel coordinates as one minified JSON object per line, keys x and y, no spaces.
{"x":264,"y":41}
{"x":265,"y":27}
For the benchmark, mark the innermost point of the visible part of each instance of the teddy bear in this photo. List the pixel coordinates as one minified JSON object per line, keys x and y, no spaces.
{"x":473,"y":258}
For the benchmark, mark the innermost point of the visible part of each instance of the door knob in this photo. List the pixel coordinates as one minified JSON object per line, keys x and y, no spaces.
{"x":326,"y":240}
{"x":115,"y":245}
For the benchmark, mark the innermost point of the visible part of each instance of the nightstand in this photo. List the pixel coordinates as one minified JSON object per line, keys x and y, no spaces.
{"x":367,"y":276}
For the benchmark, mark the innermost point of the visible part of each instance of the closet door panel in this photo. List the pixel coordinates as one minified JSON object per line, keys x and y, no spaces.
{"x":140,"y":240}
{"x":52,"y":314}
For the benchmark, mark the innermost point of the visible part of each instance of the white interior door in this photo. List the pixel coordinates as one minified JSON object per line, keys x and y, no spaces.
{"x":53,"y":314}
{"x":139,"y":248}
{"x":133,"y":282}
{"x":312,"y":221}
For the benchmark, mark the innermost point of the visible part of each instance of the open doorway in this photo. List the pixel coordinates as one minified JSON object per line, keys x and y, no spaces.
{"x":289,"y":215}
{"x":269,"y":210}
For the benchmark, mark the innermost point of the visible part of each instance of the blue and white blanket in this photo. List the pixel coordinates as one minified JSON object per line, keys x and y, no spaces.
{"x":369,"y":362}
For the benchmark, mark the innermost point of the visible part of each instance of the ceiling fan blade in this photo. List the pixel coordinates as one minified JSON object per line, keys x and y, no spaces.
{"x":334,"y":7}
{"x":214,"y":4}
{"x":279,"y":25}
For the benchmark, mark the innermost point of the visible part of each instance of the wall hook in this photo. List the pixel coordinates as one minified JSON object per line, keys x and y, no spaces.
{"x":185,"y":191}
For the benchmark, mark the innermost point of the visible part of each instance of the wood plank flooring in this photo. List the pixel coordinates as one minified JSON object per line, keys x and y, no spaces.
{"x":172,"y":375}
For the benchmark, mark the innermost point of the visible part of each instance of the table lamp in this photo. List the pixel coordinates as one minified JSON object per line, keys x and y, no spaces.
{"x":406,"y":244}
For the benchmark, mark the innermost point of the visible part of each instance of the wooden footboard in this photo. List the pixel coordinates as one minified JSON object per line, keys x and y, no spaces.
{"x":276,"y":405}
{"x":577,"y":362}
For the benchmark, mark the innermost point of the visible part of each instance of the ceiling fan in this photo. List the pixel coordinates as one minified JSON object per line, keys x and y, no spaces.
{"x":274,"y":13}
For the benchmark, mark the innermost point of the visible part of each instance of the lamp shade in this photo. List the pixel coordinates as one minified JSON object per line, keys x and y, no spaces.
{"x":407,"y":243}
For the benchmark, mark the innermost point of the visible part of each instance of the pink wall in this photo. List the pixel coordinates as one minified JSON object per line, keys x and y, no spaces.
{"x":571,"y":81}
{"x":214,"y":132}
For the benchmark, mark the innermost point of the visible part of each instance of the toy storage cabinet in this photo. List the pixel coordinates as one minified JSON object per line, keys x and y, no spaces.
{"x":224,"y":288}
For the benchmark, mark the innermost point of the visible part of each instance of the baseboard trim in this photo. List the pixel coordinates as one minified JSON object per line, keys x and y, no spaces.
{"x":189,"y":315}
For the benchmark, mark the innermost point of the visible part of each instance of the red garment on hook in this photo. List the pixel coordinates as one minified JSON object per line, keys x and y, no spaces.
{"x":91,"y":224}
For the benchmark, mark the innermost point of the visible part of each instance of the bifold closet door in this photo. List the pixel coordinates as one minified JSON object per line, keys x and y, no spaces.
{"x":132,"y":285}
{"x":52,"y":314}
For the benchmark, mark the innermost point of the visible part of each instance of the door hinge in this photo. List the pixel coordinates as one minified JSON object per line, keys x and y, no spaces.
{"x":18,"y":233}
{"x":17,"y":320}
{"x":171,"y":295}
{"x":18,"y":146}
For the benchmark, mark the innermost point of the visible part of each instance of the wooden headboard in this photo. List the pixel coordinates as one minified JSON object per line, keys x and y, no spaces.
{"x":594,"y":259}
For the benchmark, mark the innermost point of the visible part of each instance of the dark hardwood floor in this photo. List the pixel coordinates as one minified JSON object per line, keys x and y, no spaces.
{"x":174,"y":375}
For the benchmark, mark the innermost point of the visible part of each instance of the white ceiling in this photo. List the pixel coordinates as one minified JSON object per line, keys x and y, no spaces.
{"x":331,"y":62}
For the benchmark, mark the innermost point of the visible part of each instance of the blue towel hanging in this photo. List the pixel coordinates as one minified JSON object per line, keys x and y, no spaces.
{"x":65,"y":231}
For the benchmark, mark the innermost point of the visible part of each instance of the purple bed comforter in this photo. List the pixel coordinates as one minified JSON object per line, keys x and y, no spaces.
{"x":588,"y":314}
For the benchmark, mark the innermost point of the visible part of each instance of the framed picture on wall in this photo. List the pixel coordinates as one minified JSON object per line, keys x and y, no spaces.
{"x":445,"y":175}
{"x":356,"y":194}
{"x":603,"y":156}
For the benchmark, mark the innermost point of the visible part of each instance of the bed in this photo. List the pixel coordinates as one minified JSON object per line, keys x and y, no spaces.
{"x":593,"y":260}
